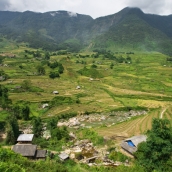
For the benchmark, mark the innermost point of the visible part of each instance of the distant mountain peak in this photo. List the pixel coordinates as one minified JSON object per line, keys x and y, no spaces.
{"x":129,"y":28}
{"x":72,"y":14}
{"x":132,"y":10}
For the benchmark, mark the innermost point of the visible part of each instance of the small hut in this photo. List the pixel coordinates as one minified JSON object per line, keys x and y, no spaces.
{"x":130,"y":144}
{"x":55,"y":92}
{"x":63,"y":156}
{"x":78,"y":87}
{"x":25,"y":138}
{"x":45,"y":105}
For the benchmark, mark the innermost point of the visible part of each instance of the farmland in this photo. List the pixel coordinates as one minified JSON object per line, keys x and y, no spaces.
{"x":143,"y":82}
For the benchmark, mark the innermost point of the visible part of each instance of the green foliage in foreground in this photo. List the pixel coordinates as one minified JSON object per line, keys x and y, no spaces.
{"x":12,"y":162}
{"x":156,"y":152}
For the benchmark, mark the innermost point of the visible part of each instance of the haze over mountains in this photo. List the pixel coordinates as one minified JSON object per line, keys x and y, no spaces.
{"x":129,"y":29}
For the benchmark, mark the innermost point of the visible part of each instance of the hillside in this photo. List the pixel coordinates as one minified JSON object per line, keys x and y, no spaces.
{"x":129,"y":29}
{"x":88,"y":101}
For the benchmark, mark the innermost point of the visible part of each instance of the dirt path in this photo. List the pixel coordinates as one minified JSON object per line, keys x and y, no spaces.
{"x":162,"y":113}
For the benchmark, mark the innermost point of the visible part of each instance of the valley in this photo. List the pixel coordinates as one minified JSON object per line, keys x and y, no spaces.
{"x":82,"y":87}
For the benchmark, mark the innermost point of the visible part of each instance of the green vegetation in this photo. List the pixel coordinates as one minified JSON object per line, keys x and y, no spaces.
{"x":12,"y":130}
{"x":93,"y":136}
{"x":156,"y":152}
{"x":110,"y":80}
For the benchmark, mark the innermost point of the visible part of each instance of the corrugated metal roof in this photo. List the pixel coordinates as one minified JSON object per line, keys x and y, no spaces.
{"x":128,"y":148}
{"x":63,"y":156}
{"x":25,"y":137}
{"x":137,"y":139}
{"x":25,"y":150}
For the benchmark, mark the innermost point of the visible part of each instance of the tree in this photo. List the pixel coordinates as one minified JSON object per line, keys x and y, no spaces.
{"x":21,"y":110}
{"x":52,"y":124}
{"x":26,"y":84}
{"x":93,"y":66}
{"x":156,"y":152}
{"x":60,"y":133}
{"x":25,"y":112}
{"x":47,"y":55}
{"x":4,"y":100}
{"x":61,"y":68}
{"x":40,"y":70}
{"x":37,"y":127}
{"x":111,"y":65}
{"x":54,"y":74}
{"x":10,"y":139}
{"x":3,"y":75}
{"x":12,"y":129}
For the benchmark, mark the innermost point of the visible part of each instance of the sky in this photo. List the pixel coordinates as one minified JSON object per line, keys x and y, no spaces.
{"x":94,"y":8}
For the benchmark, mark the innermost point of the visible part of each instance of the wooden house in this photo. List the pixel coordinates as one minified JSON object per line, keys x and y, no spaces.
{"x":40,"y":154}
{"x":28,"y":151}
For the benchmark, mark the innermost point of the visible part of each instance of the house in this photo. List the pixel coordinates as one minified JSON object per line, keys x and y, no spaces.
{"x":45,"y":105}
{"x":63,"y":156}
{"x":25,"y":138}
{"x":55,"y":92}
{"x":130,"y":144}
{"x":78,"y":87}
{"x":25,"y":150}
{"x":29,"y":151}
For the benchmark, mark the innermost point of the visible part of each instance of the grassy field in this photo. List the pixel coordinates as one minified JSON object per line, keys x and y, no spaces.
{"x":145,"y":82}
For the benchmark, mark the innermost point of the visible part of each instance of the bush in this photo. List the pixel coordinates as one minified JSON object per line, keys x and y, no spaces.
{"x":117,"y":156}
{"x":93,"y":136}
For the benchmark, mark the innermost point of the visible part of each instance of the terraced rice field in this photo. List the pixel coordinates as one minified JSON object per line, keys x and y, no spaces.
{"x":135,"y":126}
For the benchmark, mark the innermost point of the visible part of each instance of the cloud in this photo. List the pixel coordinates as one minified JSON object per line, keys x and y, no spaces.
{"x":95,"y":8}
{"x":4,"y":5}
{"x":149,"y":6}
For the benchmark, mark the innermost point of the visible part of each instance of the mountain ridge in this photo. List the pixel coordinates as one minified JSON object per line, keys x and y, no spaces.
{"x":65,"y":30}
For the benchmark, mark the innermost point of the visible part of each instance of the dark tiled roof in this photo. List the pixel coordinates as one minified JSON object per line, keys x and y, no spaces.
{"x":25,"y":150}
{"x":41,"y":153}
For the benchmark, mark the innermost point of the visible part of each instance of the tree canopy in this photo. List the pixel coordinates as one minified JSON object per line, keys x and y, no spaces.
{"x":156,"y":152}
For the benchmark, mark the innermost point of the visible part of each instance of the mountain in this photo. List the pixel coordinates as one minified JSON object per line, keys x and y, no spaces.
{"x":130,"y":29}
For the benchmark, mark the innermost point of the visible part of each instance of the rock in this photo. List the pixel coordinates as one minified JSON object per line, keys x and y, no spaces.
{"x":72,"y":135}
{"x":82,"y":125}
{"x":72,"y":156}
{"x":67,"y":151}
{"x":60,"y":124}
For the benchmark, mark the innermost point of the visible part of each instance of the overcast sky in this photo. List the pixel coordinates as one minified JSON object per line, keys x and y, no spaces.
{"x":94,"y":8}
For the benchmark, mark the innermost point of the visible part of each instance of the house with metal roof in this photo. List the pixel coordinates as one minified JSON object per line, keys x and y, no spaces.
{"x":130,"y":144}
{"x":63,"y":156}
{"x":55,"y":92}
{"x":25,"y":138}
